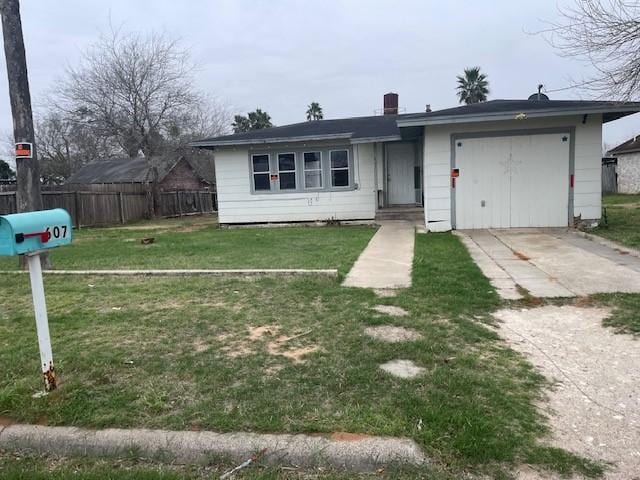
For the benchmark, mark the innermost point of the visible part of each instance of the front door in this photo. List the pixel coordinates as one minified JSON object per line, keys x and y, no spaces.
{"x":401,"y":160}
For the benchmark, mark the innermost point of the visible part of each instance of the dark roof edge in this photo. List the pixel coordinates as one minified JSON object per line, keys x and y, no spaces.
{"x":511,"y":115}
{"x":254,"y":141}
{"x":615,"y":151}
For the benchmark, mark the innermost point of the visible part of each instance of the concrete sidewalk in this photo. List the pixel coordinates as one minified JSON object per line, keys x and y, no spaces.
{"x":387,"y":260}
{"x":354,"y":452}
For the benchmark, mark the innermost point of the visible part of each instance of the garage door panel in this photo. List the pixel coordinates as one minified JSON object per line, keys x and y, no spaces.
{"x":485,"y":184}
{"x":512,"y":181}
{"x":540,"y":181}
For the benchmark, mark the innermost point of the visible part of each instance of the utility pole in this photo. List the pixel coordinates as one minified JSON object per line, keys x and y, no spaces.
{"x":27,"y":170}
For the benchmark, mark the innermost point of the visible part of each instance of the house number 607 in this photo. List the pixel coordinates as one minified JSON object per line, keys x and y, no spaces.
{"x":57,"y":231}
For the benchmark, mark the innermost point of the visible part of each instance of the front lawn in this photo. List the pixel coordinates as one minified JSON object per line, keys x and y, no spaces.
{"x":623,"y":220}
{"x":620,"y":199}
{"x":38,"y":467}
{"x":196,"y":242}
{"x":281,"y":355}
{"x":625,"y":315}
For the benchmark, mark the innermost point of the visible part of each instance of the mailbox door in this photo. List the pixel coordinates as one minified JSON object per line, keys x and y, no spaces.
{"x":7,"y":240}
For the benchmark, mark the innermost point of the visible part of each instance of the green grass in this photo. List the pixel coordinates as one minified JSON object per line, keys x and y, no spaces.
{"x":176,"y":354}
{"x":196,"y":242}
{"x":625,"y":317}
{"x":31,"y":467}
{"x":620,"y":199}
{"x":623,"y":223}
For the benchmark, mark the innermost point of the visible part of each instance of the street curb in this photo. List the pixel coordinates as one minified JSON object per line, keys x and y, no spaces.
{"x":608,"y":243}
{"x":341,"y":451}
{"x":195,"y":272}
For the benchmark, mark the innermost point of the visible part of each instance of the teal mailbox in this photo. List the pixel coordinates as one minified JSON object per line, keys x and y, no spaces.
{"x":29,"y":234}
{"x":24,"y":233}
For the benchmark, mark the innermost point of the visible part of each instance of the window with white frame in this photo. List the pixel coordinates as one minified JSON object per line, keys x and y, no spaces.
{"x":287,"y":171}
{"x":261,"y":174}
{"x":312,"y":169}
{"x":339,"y":168}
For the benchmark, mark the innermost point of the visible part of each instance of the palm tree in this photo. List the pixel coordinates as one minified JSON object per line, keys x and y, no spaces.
{"x":473,"y":87}
{"x":314,"y":112}
{"x":253,"y":121}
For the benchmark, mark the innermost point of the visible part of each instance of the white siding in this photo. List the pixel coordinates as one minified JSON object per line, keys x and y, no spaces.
{"x":437,"y":164}
{"x":236,"y":203}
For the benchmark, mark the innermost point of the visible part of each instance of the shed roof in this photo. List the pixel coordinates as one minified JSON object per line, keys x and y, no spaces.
{"x":124,"y":170}
{"x":630,"y":146}
{"x":113,"y":170}
{"x":392,"y":127}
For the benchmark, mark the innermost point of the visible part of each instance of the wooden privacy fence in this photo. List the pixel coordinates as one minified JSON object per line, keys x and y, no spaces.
{"x":109,"y":208}
{"x":609,"y":177}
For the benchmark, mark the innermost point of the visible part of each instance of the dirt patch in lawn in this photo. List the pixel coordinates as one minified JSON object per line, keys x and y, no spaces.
{"x":257,"y":333}
{"x":200,"y":345}
{"x":268,"y":337}
{"x":593,"y":406}
{"x":391,"y":334}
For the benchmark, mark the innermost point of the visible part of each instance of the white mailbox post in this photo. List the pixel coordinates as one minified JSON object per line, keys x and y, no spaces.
{"x":29,"y":234}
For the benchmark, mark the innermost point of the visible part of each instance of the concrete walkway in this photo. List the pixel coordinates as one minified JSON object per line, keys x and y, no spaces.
{"x":593,"y":407}
{"x":550,"y":263}
{"x":387,"y":260}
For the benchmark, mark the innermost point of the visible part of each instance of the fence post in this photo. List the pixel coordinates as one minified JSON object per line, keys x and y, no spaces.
{"x":78,"y":208}
{"x":179,"y":202}
{"x":121,"y":207}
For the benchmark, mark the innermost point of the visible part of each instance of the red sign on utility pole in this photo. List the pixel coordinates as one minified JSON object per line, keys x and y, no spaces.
{"x":24,"y":150}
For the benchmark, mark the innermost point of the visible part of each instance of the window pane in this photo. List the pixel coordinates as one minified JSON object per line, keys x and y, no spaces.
{"x":340,"y":178}
{"x":313,"y":179}
{"x":261,"y":181}
{"x":260,"y":163}
{"x":286,"y":161}
{"x":339,"y":159}
{"x":312,"y":161}
{"x":287,"y":181}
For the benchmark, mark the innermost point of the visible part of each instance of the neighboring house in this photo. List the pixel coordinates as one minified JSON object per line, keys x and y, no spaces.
{"x":134,"y":174}
{"x":628,"y":167}
{"x":502,"y":163}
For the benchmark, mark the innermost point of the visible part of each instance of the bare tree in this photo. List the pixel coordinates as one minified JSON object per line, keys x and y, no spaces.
{"x":206,"y":118}
{"x":133,"y":89}
{"x":65,"y":145}
{"x":605,"y":33}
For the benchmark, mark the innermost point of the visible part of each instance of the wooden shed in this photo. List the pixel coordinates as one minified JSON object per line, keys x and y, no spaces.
{"x":133,"y":175}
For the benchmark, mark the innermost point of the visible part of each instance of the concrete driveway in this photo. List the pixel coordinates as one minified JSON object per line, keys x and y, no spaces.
{"x":550,"y":263}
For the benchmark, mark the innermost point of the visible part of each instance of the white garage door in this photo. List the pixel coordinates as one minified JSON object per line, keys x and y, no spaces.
{"x":517,"y":181}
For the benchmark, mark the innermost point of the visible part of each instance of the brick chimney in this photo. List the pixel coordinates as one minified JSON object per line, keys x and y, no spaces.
{"x":390,"y":106}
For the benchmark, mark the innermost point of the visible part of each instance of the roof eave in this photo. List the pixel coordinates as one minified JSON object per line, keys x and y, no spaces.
{"x":388,"y":138}
{"x":262,"y":141}
{"x":511,"y":115}
{"x":623,"y":152}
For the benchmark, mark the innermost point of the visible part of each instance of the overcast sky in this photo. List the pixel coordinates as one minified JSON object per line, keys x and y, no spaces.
{"x":279,"y":55}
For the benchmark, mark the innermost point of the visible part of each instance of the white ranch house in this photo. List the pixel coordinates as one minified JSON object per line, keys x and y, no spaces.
{"x":497,"y":164}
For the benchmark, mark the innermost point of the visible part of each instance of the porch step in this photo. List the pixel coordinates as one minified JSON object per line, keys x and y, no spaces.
{"x":401,"y":213}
